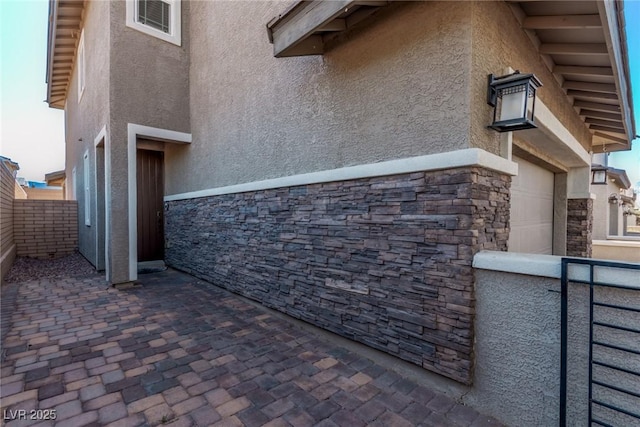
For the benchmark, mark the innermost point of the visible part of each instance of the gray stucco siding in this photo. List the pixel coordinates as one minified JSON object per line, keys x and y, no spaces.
{"x":396,"y":88}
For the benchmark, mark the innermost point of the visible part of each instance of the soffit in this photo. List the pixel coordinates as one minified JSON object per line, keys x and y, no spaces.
{"x":65,"y":25}
{"x":583,"y":43}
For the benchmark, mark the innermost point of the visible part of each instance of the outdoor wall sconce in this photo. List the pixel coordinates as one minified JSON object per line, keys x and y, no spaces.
{"x":599,"y":176}
{"x":513,"y":98}
{"x":615,"y":199}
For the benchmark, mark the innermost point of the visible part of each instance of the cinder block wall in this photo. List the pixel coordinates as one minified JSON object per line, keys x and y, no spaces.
{"x":385,"y":261}
{"x":45,"y":228}
{"x":7,"y":246}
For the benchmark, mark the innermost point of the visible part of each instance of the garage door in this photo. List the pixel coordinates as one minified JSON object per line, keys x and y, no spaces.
{"x":531,"y":209}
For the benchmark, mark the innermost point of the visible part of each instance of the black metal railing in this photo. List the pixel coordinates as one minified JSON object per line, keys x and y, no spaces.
{"x":605,"y":392}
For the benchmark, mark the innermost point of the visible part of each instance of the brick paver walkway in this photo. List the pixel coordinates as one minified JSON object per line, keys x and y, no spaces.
{"x":181,"y":352}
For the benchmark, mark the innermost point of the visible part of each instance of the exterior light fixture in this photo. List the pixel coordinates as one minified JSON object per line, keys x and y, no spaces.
{"x":513,"y":97}
{"x":599,"y":176}
{"x":615,"y":199}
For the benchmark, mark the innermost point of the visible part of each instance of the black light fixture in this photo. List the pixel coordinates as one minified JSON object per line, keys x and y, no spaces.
{"x":599,"y":176}
{"x":513,"y":97}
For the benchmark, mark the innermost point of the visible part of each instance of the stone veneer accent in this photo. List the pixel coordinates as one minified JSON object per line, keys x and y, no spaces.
{"x":579,"y":227}
{"x":385,"y":261}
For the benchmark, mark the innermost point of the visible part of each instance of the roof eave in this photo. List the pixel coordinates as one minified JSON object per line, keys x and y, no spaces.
{"x":616,"y":39}
{"x":51,"y":37}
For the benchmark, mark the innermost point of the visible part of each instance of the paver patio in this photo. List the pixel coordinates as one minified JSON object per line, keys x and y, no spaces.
{"x":178,"y":351}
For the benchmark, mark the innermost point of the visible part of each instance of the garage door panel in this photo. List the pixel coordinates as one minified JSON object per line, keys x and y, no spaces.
{"x":531,"y":209}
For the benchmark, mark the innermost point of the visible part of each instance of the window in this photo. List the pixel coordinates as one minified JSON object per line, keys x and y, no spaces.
{"x":87,"y":190}
{"x":158,"y":18}
{"x":81,"y":67}
{"x":154,"y":13}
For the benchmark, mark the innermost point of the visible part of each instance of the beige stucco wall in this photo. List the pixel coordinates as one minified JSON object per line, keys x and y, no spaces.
{"x":619,"y":250}
{"x":149,"y":77}
{"x":499,"y":43}
{"x":602,"y":211}
{"x":394,"y":88}
{"x":85,"y":119}
{"x":148,"y":83}
{"x":44,"y":193}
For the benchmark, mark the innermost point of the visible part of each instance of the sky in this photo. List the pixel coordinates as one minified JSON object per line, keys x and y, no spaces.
{"x":32,"y":134}
{"x":630,"y":160}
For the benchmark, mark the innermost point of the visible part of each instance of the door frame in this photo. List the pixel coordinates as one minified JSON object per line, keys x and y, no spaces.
{"x":102,"y":161}
{"x":135,"y":131}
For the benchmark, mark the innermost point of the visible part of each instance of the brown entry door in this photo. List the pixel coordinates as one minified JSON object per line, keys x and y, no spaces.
{"x":150,"y":177}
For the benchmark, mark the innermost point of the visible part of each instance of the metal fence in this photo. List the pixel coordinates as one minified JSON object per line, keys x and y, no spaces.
{"x":613,"y":348}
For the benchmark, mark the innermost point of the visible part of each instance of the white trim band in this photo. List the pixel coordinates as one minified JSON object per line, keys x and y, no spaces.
{"x":453,"y":159}
{"x":550,"y":266}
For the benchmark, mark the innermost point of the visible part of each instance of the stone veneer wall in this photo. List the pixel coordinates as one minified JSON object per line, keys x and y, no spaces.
{"x":385,"y":261}
{"x":579,"y":227}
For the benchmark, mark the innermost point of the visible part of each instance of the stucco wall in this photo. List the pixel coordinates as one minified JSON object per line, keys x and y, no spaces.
{"x":619,"y":250}
{"x":85,"y":119}
{"x":44,"y":193}
{"x":498,"y":43}
{"x":394,"y":88}
{"x":602,"y":211}
{"x":149,"y":77}
{"x":148,"y":85}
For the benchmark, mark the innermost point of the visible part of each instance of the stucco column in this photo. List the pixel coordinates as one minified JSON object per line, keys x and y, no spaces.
{"x":118,"y":206}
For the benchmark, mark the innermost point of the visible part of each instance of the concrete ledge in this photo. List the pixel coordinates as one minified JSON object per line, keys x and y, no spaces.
{"x":432,"y":162}
{"x":519,"y":263}
{"x":550,"y":266}
{"x":619,"y":241}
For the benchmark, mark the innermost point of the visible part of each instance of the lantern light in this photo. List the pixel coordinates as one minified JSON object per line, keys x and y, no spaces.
{"x":513,"y":97}
{"x":599,"y":176}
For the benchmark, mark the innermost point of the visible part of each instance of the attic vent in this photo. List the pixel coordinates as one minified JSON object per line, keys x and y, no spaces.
{"x":154,"y":13}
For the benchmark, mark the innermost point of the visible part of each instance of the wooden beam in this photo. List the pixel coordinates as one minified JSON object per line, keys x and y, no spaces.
{"x":612,"y":138}
{"x":597,"y":106}
{"x":359,"y":15}
{"x":300,"y":23}
{"x":335,"y":25}
{"x":601,"y":115}
{"x":573,"y":49}
{"x":561,"y":22}
{"x":607,"y":129}
{"x":601,"y":122}
{"x":372,"y":3}
{"x":583,"y":71}
{"x":589,"y":86}
{"x":592,"y":95}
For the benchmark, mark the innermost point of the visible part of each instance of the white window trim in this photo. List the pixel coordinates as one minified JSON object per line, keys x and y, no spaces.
{"x":73,"y":184}
{"x":81,"y":67}
{"x":87,"y":189}
{"x":175,"y":22}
